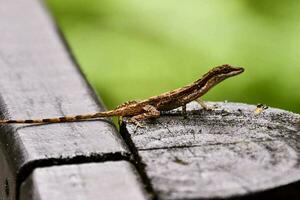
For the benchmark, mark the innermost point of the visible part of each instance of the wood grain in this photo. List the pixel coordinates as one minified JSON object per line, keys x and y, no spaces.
{"x":227,"y":153}
{"x":38,"y":78}
{"x":93,"y":181}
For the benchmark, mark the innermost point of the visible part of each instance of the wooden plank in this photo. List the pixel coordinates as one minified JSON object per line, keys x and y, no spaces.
{"x":38,"y":79}
{"x":227,"y":153}
{"x":109,"y":180}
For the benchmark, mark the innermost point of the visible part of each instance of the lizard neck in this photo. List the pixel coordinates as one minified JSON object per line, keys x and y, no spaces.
{"x":184,"y":95}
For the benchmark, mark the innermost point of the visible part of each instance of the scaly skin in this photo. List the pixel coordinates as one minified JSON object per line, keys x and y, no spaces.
{"x":150,"y":108}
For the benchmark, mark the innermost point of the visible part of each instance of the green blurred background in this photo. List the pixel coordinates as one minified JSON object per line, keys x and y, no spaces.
{"x":133,"y":49}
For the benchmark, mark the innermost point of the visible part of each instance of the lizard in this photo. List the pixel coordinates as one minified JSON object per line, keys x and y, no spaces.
{"x":151,"y":107}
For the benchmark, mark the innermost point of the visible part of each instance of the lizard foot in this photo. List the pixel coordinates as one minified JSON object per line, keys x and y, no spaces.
{"x":135,"y":122}
{"x":149,"y":112}
{"x":204,"y":106}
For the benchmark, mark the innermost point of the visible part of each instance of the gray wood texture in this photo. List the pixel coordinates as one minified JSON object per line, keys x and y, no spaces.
{"x":38,"y":78}
{"x":227,"y":153}
{"x":116,"y":180}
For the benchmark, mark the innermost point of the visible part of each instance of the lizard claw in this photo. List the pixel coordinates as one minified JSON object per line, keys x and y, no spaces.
{"x":138,"y":124}
{"x":135,"y":122}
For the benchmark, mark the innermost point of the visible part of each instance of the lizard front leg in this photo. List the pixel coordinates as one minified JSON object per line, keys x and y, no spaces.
{"x":203,"y":105}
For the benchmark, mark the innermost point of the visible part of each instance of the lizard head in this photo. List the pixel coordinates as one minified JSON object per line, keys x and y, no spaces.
{"x":227,"y":71}
{"x":217,"y":75}
{"x":224,"y":71}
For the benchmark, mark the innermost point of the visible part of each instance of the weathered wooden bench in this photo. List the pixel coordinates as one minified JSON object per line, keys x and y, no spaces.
{"x":228,"y":153}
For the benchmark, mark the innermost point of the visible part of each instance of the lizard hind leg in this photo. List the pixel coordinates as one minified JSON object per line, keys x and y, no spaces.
{"x":150,"y":112}
{"x":184,"y":113}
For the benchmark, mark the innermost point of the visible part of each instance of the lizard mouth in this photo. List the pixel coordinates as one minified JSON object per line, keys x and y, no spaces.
{"x":236,"y":70}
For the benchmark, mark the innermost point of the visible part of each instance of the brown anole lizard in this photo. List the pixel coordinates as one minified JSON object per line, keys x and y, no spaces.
{"x":151,"y":108}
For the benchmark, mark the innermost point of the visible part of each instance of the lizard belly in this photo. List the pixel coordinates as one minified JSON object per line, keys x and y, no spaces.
{"x":169,"y":106}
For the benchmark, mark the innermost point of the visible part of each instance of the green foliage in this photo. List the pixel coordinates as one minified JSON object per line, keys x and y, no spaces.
{"x":133,"y":49}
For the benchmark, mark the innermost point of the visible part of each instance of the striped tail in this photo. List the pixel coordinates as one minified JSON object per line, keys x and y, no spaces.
{"x":74,"y":118}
